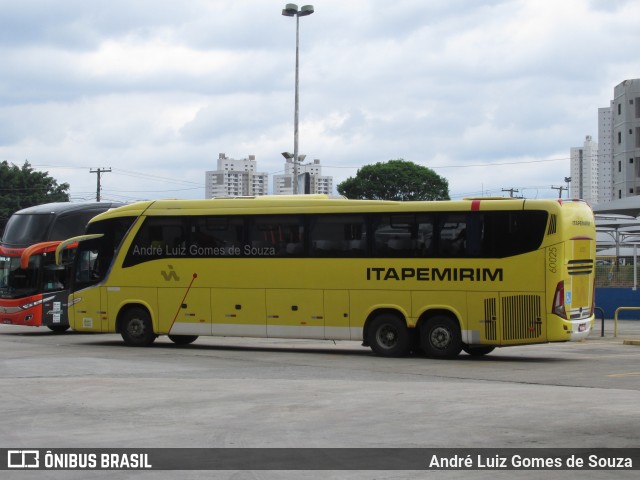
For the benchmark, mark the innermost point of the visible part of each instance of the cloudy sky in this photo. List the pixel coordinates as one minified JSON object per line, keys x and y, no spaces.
{"x":490,"y":94}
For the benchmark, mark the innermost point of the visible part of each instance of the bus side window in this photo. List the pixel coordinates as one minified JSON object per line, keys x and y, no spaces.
{"x":394,"y":235}
{"x":424,"y":243}
{"x":217,"y":236}
{"x":85,"y":270}
{"x":338,"y":236}
{"x":276,"y":236}
{"x":159,"y":237}
{"x":453,"y":235}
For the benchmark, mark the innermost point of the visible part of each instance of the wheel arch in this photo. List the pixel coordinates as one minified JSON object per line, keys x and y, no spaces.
{"x":435,"y":312}
{"x":131,"y":305}
{"x":385,"y":310}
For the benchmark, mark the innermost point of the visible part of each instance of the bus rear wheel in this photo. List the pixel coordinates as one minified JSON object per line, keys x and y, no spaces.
{"x":478,"y":351}
{"x":136,"y":328}
{"x":440,"y":337}
{"x":183,"y":339}
{"x":58,"y":328}
{"x":388,"y":336}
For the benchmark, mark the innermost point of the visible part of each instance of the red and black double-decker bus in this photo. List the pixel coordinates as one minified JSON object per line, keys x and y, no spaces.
{"x":33,"y":289}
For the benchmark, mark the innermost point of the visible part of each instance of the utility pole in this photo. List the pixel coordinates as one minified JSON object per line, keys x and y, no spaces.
{"x":560,"y":190}
{"x":99,"y":171}
{"x":511,"y":191}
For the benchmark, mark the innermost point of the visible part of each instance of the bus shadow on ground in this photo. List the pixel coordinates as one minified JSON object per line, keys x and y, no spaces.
{"x":497,"y":356}
{"x":364,"y":352}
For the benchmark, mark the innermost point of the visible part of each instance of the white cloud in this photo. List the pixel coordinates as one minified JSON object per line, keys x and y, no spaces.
{"x":156,"y":89}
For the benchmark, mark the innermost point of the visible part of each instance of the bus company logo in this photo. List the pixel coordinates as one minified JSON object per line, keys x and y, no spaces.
{"x":170,"y":275}
{"x":23,"y":459}
{"x":582,"y":223}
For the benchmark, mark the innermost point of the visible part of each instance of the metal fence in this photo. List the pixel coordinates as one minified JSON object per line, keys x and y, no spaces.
{"x":616,"y":272}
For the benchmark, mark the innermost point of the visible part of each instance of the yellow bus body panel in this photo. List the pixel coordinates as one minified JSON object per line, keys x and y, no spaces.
{"x":497,"y":301}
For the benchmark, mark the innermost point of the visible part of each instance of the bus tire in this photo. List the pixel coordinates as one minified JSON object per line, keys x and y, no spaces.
{"x":183,"y":339}
{"x":440,"y":337}
{"x":388,"y":336}
{"x":58,"y":328}
{"x":478,"y":351}
{"x":136,"y":327}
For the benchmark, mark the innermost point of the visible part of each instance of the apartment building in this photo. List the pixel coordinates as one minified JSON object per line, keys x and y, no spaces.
{"x":584,"y":171}
{"x":625,"y":139}
{"x":310,"y":177}
{"x":234,"y":178}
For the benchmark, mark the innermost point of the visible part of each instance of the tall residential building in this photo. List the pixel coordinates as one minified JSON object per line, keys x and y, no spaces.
{"x":235,"y":178}
{"x":283,"y":184}
{"x":625,"y":129}
{"x":605,"y":163}
{"x":584,"y":171}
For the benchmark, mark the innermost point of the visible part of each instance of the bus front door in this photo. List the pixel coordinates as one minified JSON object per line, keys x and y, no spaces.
{"x":86,"y":312}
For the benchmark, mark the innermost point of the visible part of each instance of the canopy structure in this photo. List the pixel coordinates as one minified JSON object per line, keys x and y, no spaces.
{"x":629,"y":206}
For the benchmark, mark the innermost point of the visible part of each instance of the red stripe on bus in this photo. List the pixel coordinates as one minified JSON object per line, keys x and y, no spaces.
{"x":475,"y":205}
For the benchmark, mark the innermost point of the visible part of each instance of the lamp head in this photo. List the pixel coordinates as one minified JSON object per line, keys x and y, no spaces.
{"x":290,"y":10}
{"x":306,"y":10}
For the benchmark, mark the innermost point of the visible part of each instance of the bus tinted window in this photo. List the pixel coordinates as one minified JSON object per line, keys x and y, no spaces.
{"x":27,"y":229}
{"x":216,"y":236}
{"x":71,"y":224}
{"x":16,"y":282}
{"x":513,"y":233}
{"x":338,"y":236}
{"x":453,"y":236}
{"x":159,"y":237}
{"x":490,"y":234}
{"x":424,"y":235}
{"x":402,"y":235}
{"x":276,"y":236}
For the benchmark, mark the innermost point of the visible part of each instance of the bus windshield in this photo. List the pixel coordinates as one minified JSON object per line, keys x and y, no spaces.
{"x":16,"y":282}
{"x":27,"y":229}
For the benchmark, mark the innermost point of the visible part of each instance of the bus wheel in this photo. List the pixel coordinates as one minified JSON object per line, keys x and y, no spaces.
{"x":478,"y":351}
{"x":440,"y":337}
{"x":388,"y":336}
{"x":136,"y":328}
{"x":58,"y":328}
{"x":183,"y":339}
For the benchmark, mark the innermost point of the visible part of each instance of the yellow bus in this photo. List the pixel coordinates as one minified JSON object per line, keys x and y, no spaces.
{"x":443,"y":277}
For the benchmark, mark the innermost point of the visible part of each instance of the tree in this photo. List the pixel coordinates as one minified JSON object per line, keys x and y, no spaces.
{"x":395,"y":180}
{"x":24,"y":187}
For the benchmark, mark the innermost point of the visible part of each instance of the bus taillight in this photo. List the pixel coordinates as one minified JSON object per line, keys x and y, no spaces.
{"x":558,"y":301}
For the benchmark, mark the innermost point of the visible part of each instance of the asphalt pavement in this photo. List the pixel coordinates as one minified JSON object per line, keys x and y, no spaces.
{"x":77,"y":390}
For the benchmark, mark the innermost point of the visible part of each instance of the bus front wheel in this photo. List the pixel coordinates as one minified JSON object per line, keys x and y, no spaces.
{"x":136,"y":328}
{"x":440,"y":337}
{"x":58,"y":328}
{"x":183,"y":339}
{"x":388,"y":336}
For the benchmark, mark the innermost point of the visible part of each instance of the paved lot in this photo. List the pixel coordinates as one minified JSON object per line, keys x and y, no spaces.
{"x":81,"y":390}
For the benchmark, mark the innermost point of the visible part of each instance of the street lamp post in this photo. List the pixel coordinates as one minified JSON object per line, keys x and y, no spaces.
{"x":291,"y":10}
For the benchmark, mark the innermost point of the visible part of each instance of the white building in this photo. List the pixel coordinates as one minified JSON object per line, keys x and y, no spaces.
{"x":605,"y":162}
{"x":283,"y":184}
{"x":235,"y":178}
{"x":584,"y":171}
{"x":625,"y":129}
